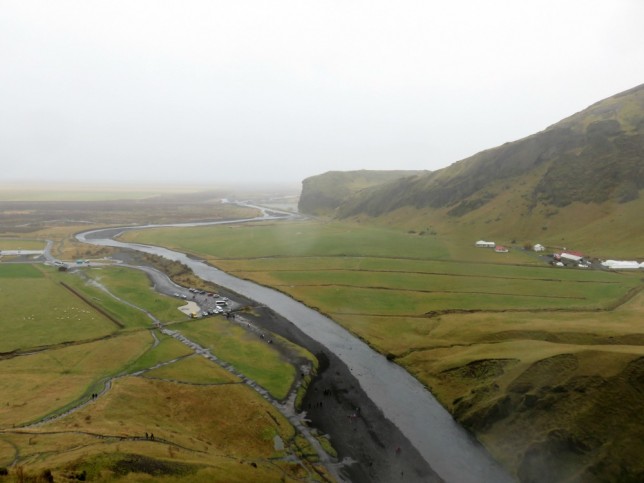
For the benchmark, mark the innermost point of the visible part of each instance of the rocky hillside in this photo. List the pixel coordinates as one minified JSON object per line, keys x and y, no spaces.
{"x":586,"y":167}
{"x":323,"y":193}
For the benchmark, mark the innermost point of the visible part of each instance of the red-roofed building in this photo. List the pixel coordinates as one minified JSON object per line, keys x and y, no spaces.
{"x":571,"y":255}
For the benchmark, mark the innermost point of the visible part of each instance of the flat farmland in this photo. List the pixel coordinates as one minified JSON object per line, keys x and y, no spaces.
{"x":38,"y":310}
{"x":247,"y":352}
{"x":81,"y":394}
{"x":345,"y":269}
{"x":194,"y":369}
{"x":36,"y":385}
{"x":299,"y":239}
{"x":527,"y":356}
{"x":134,"y":287}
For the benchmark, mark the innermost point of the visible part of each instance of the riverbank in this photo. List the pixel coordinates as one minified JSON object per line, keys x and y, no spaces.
{"x":450,"y":450}
{"x":370,"y":448}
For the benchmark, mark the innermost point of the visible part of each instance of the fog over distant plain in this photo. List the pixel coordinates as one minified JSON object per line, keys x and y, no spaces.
{"x":233,"y":91}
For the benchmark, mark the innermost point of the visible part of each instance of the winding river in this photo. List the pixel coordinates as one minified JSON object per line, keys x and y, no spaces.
{"x":450,"y":450}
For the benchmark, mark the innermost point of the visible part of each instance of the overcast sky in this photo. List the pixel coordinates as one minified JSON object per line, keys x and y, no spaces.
{"x":235,"y":90}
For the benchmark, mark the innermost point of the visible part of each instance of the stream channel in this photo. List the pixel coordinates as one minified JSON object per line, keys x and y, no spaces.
{"x":447,"y":448}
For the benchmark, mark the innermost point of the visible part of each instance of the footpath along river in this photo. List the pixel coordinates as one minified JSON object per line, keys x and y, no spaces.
{"x":450,"y":450}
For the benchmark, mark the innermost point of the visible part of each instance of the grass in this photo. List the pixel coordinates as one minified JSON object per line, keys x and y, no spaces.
{"x":292,"y":239}
{"x":166,"y":350}
{"x":134,"y":287}
{"x":235,"y":428}
{"x":33,"y":386}
{"x":128,"y":316}
{"x":472,"y":325}
{"x":20,"y":271}
{"x":41,"y":312}
{"x":247,"y":352}
{"x":132,"y":408}
{"x":194,"y":369}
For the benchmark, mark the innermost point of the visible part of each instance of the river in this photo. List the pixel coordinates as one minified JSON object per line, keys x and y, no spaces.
{"x":450,"y":450}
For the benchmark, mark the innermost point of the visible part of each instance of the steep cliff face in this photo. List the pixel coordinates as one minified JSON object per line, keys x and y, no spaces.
{"x":323,"y":193}
{"x":594,"y":156}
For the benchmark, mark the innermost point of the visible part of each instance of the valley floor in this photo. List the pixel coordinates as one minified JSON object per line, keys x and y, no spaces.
{"x":542,"y":364}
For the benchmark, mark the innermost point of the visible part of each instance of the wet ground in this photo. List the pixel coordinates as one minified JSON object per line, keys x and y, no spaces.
{"x":370,"y":448}
{"x":407,"y":407}
{"x":373,"y":449}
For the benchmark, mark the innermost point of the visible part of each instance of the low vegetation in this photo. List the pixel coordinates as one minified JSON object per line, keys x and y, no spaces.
{"x":322,"y":194}
{"x":578,"y":182}
{"x":524,"y":354}
{"x":90,"y":391}
{"x":246,"y":352}
{"x":39,"y":311}
{"x":34,"y":386}
{"x":178,"y":272}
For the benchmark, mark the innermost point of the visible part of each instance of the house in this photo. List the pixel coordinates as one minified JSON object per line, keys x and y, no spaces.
{"x":501,"y":249}
{"x":570,"y":255}
{"x":485,"y":244}
{"x":539,"y":248}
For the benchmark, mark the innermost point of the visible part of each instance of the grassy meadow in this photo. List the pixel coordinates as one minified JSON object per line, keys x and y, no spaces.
{"x":199,"y":433}
{"x":248,"y":353}
{"x":37,"y":385}
{"x":193,"y":369}
{"x":526,"y":355}
{"x":39,"y":311}
{"x":59,"y":349}
{"x":134,"y":287}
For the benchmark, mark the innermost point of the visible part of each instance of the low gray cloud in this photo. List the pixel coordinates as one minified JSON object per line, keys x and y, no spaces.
{"x":219,"y":91}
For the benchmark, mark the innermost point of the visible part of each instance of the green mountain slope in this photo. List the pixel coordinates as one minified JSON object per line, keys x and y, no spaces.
{"x":586,"y":169}
{"x":323,"y":193}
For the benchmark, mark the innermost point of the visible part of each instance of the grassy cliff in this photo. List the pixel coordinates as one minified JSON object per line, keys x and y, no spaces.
{"x":323,"y":193}
{"x":587,"y":169}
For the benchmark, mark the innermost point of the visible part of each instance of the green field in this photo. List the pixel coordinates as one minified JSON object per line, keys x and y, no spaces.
{"x":525,"y":355}
{"x":248,"y":353}
{"x":347,"y":269}
{"x":36,"y":385}
{"x":294,"y":240}
{"x":59,"y":349}
{"x":20,"y":271}
{"x":194,"y":369}
{"x":134,"y":287}
{"x":38,"y":311}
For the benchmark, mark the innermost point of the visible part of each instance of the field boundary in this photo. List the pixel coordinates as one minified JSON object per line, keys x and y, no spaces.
{"x":96,"y":307}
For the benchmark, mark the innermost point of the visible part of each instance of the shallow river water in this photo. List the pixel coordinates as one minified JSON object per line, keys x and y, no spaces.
{"x":450,"y":450}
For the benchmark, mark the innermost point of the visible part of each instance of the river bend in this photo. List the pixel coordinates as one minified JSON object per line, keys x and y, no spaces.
{"x":450,"y":450}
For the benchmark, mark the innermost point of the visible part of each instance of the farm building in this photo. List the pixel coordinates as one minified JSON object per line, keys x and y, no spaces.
{"x":621,"y":264}
{"x":485,"y":244}
{"x":539,"y":248}
{"x":570,"y":255}
{"x":501,"y":249}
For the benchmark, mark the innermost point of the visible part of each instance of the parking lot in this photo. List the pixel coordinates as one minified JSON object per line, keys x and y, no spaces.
{"x":209,"y":303}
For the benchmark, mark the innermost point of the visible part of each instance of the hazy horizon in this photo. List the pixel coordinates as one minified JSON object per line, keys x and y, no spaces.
{"x":253,"y":92}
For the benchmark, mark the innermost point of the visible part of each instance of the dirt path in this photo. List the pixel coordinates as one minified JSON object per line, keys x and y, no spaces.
{"x":370,"y":448}
{"x":287,"y":407}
